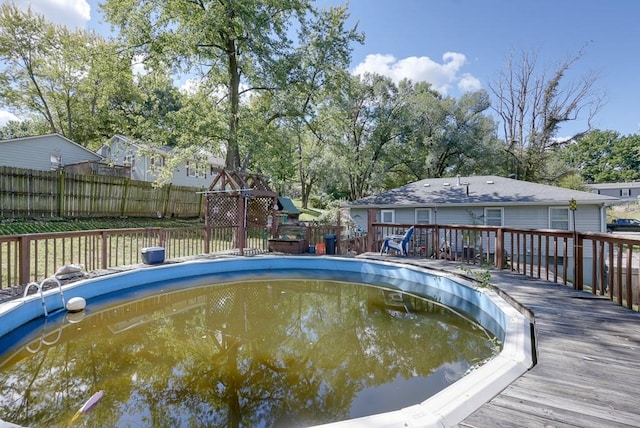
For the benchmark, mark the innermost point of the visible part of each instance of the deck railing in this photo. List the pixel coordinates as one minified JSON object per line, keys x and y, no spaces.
{"x":33,"y":257}
{"x":601,"y":263}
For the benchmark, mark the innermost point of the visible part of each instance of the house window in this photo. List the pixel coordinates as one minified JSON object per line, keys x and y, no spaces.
{"x":56,"y":161}
{"x":493,"y":216}
{"x":130,"y":160}
{"x":625,"y":193}
{"x":559,"y":218}
{"x":388,"y":216}
{"x":199,"y":171}
{"x":423,"y":216}
{"x":157,"y":162}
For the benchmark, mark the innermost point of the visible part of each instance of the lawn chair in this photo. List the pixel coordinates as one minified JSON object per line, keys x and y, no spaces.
{"x":398,"y":243}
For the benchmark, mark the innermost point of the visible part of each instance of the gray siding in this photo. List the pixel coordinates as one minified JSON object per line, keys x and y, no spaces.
{"x":35,"y":152}
{"x":588,"y":218}
{"x":117,"y":149}
{"x":617,"y":190}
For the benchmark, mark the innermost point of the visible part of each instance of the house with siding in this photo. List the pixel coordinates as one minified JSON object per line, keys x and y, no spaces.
{"x":147,"y":162}
{"x":628,"y":191}
{"x":44,"y":153}
{"x":485,"y":200}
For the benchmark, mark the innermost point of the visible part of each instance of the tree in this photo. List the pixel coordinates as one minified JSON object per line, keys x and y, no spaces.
{"x":235,"y":48}
{"x":24,"y":128}
{"x":532,"y":107}
{"x":604,"y":157}
{"x":367,"y":119}
{"x":66,"y":78}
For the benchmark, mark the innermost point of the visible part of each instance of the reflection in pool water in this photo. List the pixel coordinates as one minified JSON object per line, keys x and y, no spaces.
{"x":268,"y":352}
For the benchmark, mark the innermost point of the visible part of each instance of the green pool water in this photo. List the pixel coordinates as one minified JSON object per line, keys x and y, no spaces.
{"x":253,"y":353}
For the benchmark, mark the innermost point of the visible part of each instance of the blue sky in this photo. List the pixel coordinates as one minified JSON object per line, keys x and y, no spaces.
{"x":460,"y":45}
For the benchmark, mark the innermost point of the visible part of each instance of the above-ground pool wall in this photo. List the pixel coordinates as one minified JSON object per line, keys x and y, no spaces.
{"x":446,"y":408}
{"x":449,"y":290}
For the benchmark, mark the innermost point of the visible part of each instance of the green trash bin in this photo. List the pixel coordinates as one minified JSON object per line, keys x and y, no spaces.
{"x":330,"y":242}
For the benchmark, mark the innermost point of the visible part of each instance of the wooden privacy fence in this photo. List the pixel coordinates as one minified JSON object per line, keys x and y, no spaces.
{"x":32,"y":193}
{"x":600,"y":263}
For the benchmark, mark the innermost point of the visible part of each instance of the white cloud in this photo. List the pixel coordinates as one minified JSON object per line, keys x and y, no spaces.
{"x":469,"y":83}
{"x":6,"y":116}
{"x":422,"y":69}
{"x":72,"y":13}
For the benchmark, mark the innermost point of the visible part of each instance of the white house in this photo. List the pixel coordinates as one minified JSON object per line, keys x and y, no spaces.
{"x":486,"y":200}
{"x":44,"y":152}
{"x":147,"y":162}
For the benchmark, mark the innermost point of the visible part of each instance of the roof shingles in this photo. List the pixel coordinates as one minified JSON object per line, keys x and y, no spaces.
{"x":478,"y":190}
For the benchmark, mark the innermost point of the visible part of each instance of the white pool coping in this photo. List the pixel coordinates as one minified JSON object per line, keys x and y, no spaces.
{"x":446,"y":408}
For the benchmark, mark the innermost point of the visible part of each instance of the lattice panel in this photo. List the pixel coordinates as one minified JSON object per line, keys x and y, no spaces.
{"x":257,"y":211}
{"x":222,"y":211}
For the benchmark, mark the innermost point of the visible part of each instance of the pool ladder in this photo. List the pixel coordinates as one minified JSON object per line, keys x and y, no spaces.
{"x":41,"y":291}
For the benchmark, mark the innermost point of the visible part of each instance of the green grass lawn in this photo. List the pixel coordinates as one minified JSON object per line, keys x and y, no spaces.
{"x":48,"y":225}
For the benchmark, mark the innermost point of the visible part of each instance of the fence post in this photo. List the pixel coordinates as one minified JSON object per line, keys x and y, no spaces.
{"x":61,"y":183}
{"x":125,"y":196}
{"x":201,"y":203}
{"x":166,"y":201}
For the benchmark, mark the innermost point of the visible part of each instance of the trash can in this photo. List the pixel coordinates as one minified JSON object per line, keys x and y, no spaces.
{"x":330,"y":242}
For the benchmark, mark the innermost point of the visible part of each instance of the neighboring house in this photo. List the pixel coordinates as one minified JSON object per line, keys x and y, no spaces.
{"x":44,"y":153}
{"x":626,"y":191}
{"x":287,"y":211}
{"x":146,"y":162}
{"x":485,"y":200}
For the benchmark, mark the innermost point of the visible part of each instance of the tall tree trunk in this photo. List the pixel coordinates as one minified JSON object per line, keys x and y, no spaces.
{"x":232,"y":160}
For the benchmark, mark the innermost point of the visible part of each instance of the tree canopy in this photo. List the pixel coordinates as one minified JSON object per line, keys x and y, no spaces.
{"x":266,"y":84}
{"x":233,"y":48}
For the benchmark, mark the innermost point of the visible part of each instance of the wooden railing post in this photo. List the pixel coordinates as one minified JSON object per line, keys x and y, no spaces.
{"x":241,"y":231}
{"x":338,"y":235}
{"x":103,"y":250}
{"x":500,"y":256}
{"x":25,"y":260}
{"x":371,"y":218}
{"x":578,"y":262}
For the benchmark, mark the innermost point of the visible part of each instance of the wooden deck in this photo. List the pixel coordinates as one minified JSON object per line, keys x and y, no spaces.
{"x":588,"y":359}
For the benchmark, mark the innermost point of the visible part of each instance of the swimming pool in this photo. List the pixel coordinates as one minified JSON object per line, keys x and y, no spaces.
{"x":445,"y":408}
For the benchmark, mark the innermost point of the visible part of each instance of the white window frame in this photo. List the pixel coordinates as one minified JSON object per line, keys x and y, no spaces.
{"x":157,"y":162}
{"x":625,"y":193}
{"x":56,"y":161}
{"x":422,"y":210}
{"x":201,"y":171}
{"x":553,"y":222}
{"x":384,"y":213}
{"x":130,"y":161}
{"x":487,"y":217}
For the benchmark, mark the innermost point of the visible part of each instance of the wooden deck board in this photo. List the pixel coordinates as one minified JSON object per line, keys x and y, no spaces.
{"x":588,"y":370}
